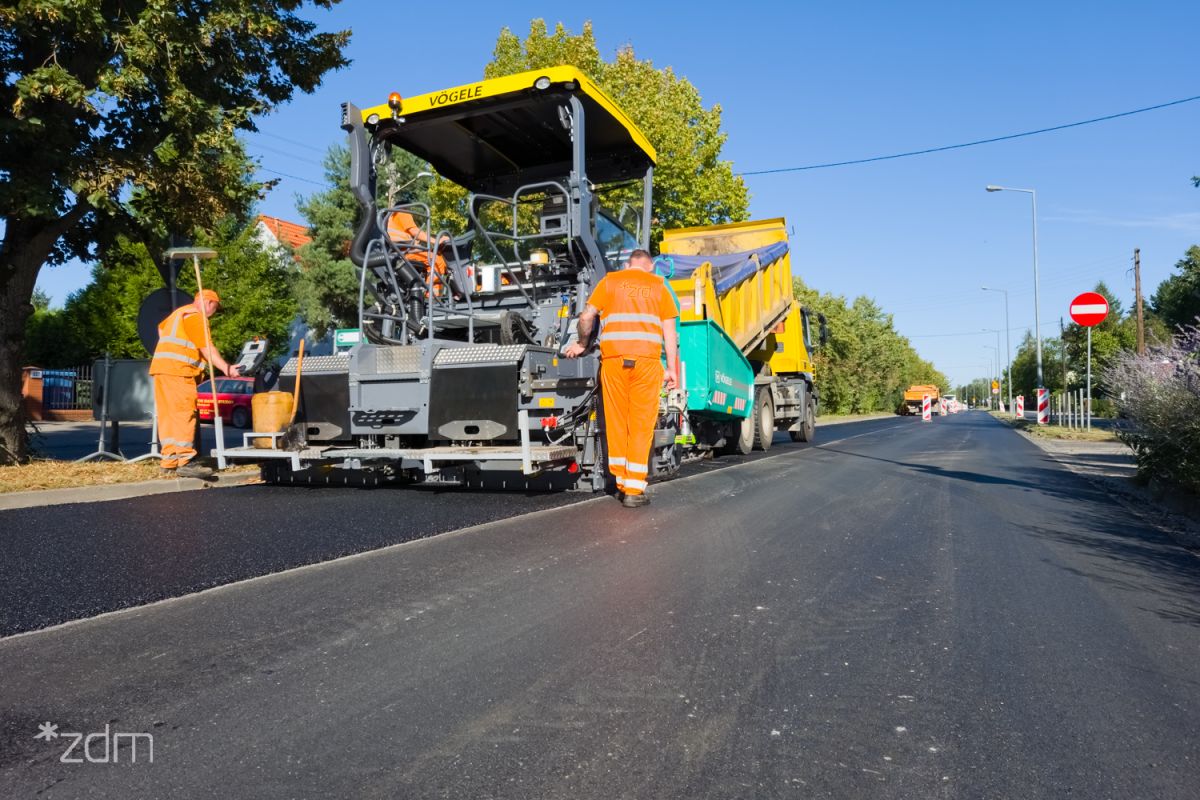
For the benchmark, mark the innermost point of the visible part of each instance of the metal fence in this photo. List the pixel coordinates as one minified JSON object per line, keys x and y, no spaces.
{"x":67,"y":389}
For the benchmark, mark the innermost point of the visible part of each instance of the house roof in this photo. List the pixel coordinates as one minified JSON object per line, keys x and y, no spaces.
{"x":288,"y":233}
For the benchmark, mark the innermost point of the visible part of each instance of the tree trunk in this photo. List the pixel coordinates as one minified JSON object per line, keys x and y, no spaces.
{"x":27,"y":246}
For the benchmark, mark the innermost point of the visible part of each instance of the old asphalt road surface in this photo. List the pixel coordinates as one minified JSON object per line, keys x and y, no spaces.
{"x":907,"y":610}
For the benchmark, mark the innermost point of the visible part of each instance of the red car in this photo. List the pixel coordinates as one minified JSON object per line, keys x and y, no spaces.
{"x":233,"y":396}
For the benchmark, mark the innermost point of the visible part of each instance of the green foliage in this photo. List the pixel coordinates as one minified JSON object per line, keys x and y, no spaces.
{"x":128,"y":114}
{"x":327,"y":286}
{"x":866,"y":365}
{"x":1024,"y":367}
{"x":1177,"y":300}
{"x":102,"y":317}
{"x":692,"y":185}
{"x":1158,"y":395}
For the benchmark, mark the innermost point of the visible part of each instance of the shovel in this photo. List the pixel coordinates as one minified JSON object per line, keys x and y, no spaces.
{"x":293,"y":437}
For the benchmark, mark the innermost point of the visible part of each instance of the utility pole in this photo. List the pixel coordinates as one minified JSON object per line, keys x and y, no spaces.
{"x":1062,"y":342}
{"x":1137,"y":290}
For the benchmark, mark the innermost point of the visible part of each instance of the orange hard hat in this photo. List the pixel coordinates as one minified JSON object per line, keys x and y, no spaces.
{"x":207,"y":294}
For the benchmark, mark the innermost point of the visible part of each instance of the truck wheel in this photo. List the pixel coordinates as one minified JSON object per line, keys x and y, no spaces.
{"x":808,"y":426}
{"x":764,"y":419}
{"x":240,"y":418}
{"x":740,"y":439}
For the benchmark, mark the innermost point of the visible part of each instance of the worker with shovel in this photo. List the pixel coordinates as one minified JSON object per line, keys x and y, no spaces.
{"x":183,"y":347}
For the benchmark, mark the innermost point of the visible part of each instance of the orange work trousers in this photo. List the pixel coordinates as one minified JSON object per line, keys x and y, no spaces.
{"x":175,"y":402}
{"x":630,"y":411}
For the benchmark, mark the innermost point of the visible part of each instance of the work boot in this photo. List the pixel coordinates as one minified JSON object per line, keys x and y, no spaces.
{"x":190,"y":470}
{"x":635,"y":500}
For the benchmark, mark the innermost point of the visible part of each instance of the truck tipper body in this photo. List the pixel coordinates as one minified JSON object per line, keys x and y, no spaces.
{"x":914,"y":397}
{"x":737,"y":277}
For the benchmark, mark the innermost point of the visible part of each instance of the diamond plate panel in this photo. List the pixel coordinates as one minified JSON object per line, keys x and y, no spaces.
{"x":397,"y":359}
{"x":314,"y":364}
{"x":480,"y":354}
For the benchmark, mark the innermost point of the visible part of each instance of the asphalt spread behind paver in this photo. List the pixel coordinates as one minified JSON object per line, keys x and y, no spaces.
{"x":916,"y":611}
{"x":75,"y":561}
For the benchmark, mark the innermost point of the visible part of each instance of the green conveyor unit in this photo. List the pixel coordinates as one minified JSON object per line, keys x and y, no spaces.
{"x":719,"y":379}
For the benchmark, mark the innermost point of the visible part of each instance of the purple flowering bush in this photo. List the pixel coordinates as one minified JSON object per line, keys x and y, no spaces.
{"x":1158,"y":401}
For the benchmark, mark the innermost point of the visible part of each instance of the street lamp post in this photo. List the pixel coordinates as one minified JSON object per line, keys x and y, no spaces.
{"x":994,"y":366}
{"x":1007,"y":341}
{"x":1037,"y":316}
{"x":999,"y":369}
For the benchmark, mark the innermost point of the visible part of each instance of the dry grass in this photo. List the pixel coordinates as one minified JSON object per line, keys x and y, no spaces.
{"x":847,"y":417}
{"x":46,"y":474}
{"x":1056,"y":431}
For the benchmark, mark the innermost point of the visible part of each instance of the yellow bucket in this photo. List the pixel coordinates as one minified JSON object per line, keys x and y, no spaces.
{"x":271,"y":412}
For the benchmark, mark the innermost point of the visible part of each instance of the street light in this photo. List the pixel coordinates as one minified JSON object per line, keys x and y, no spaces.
{"x":1007,"y":341}
{"x":999,"y":371}
{"x":1037,"y":316}
{"x":994,"y":366}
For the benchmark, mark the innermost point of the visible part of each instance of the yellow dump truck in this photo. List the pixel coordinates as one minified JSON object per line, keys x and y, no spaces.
{"x":738,"y":277}
{"x":914,"y":396}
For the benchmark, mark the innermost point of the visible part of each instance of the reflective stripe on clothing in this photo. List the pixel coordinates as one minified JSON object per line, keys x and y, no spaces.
{"x":175,"y":406}
{"x":177,"y":357}
{"x":177,"y":353}
{"x":630,"y":396}
{"x":649,"y":319}
{"x":633,"y":306}
{"x":621,"y":336}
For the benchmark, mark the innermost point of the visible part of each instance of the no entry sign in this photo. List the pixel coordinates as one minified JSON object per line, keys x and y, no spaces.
{"x":1089,"y":309}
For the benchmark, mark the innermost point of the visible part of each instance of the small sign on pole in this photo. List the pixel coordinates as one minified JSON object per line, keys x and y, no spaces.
{"x":346,"y":337}
{"x":926,"y":413}
{"x":1089,"y":309}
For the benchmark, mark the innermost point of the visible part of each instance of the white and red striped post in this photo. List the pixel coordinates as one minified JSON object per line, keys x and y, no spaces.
{"x":1043,"y":409}
{"x":926,"y":413}
{"x":1020,"y":406}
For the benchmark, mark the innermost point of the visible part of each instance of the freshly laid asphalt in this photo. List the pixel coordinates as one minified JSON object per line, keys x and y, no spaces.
{"x":74,"y":561}
{"x":907,"y":610}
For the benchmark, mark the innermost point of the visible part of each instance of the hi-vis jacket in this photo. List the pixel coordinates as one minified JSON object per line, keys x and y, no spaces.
{"x":179,"y":338}
{"x":633,"y":305}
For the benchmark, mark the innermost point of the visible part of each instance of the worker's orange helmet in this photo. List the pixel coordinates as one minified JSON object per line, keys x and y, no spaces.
{"x":205,"y":295}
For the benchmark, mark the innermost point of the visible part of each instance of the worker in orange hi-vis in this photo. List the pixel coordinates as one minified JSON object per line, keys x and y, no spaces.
{"x":404,"y":230}
{"x":637,"y":317}
{"x":177,"y":365}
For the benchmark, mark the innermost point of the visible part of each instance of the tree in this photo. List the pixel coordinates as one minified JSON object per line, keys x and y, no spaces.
{"x":692,"y":185}
{"x":122,"y":119}
{"x":254,"y":284}
{"x":1024,"y":366}
{"x":866,"y":365}
{"x":1177,"y":299}
{"x":327,"y":286}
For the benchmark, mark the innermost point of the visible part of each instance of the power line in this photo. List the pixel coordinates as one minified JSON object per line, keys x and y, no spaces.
{"x":971,"y":144}
{"x":293,"y":177}
{"x":290,"y":141}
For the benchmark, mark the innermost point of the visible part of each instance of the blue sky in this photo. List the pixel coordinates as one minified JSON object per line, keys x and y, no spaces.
{"x":803,"y":83}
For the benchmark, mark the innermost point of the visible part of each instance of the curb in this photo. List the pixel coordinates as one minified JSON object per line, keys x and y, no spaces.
{"x":1180,"y":526}
{"x":118,"y":491}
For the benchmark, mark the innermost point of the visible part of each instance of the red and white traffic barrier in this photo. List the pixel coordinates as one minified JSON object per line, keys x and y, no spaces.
{"x":1043,"y":410}
{"x":1020,"y":406}
{"x":926,"y":413}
